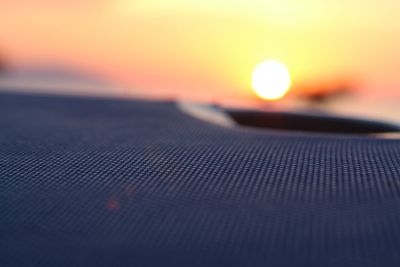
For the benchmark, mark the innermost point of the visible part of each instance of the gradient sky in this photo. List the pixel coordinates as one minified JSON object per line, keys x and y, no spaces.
{"x":207,"y":49}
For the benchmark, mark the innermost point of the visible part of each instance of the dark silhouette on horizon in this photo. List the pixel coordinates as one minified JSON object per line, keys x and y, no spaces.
{"x":324,"y":94}
{"x":2,"y":64}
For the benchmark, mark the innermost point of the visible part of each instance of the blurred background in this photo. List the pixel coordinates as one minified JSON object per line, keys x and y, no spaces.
{"x":342,"y":55}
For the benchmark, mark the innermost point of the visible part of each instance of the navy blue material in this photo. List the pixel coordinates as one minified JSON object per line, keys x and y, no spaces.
{"x":96,"y":182}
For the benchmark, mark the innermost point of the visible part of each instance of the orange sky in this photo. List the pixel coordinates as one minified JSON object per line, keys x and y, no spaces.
{"x":208,"y":49}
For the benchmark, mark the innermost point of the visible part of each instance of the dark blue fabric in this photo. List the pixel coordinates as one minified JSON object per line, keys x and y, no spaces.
{"x":92,"y":182}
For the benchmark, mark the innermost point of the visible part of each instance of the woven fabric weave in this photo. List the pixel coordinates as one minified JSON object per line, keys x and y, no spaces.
{"x":100,"y":182}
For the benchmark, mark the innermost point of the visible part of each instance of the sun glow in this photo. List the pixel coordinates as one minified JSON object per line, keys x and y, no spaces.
{"x":271,"y":80}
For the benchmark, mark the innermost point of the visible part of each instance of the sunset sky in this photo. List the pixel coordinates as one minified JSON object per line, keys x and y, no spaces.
{"x":208,"y":49}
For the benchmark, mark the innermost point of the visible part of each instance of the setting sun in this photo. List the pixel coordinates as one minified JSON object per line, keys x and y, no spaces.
{"x":271,"y":80}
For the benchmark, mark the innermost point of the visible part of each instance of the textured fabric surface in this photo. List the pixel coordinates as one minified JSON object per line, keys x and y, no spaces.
{"x":95,"y":182}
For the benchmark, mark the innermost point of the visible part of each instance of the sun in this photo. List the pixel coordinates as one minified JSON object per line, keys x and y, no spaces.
{"x":271,"y":80}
